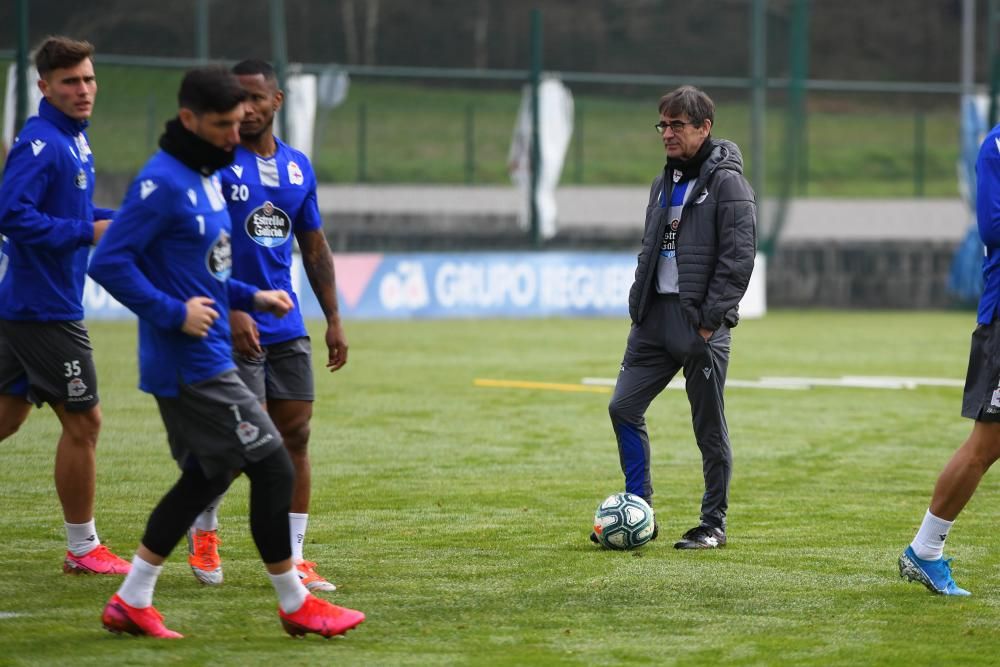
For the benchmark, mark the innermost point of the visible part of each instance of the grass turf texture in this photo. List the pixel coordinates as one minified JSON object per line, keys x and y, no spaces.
{"x":457,"y":517}
{"x":857,"y":145}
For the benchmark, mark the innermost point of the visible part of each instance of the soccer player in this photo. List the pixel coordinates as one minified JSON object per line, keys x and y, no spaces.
{"x":924,"y":559}
{"x":47,"y":224}
{"x":168,"y":258}
{"x":271,"y":192}
{"x":694,"y":267}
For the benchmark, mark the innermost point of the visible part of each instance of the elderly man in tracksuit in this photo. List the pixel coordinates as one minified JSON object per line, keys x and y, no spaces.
{"x":697,"y":256}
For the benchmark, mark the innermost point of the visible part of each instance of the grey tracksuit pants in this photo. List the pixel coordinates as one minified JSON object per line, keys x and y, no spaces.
{"x":663,"y":344}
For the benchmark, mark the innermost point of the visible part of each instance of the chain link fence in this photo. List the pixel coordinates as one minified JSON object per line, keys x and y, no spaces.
{"x":435,"y":86}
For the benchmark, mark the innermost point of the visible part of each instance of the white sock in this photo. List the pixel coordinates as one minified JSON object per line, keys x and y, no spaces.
{"x":297,"y":526}
{"x":81,"y":538}
{"x":137,"y":589}
{"x":291,"y":593}
{"x":209,"y":517}
{"x":929,"y":541}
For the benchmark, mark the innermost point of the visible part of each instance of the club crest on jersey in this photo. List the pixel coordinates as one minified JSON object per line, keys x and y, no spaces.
{"x":294,"y":174}
{"x":219,"y":259}
{"x":268,"y":225}
{"x":81,"y":179}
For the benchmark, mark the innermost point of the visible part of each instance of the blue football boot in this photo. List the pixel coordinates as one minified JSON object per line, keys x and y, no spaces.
{"x":934,"y":574}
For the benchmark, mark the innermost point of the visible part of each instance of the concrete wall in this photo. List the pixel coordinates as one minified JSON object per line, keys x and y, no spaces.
{"x":836,"y":274}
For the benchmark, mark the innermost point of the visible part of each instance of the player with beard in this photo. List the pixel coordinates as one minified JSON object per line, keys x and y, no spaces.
{"x":270,"y":190}
{"x":168,"y":258}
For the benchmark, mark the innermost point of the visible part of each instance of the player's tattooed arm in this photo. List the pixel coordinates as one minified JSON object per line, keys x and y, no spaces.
{"x":318,"y":263}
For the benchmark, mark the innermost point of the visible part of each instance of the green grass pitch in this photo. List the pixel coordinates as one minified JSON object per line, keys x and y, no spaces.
{"x":457,"y":516}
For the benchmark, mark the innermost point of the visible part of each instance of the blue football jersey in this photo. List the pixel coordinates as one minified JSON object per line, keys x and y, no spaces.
{"x":988,"y":220}
{"x":47,"y":219}
{"x":270,"y":200}
{"x":171,"y":241}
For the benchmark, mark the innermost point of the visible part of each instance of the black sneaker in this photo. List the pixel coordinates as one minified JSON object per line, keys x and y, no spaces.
{"x":593,"y":538}
{"x":702,"y":537}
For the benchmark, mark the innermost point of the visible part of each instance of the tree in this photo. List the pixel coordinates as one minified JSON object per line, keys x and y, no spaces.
{"x":352,"y":44}
{"x":480,"y":30}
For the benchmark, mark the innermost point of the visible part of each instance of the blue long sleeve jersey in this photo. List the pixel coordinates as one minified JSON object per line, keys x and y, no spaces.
{"x":169,"y":242}
{"x":988,"y":219}
{"x":270,"y":200}
{"x":47,"y":219}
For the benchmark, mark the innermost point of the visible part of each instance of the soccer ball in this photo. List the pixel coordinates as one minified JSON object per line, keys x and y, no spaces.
{"x":623,"y":521}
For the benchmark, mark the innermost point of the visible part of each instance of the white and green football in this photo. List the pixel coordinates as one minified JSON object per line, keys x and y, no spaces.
{"x":623,"y":521}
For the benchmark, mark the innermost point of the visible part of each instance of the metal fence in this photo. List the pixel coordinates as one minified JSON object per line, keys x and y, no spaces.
{"x":801,"y":136}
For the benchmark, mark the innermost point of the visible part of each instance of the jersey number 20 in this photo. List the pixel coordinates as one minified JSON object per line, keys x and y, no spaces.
{"x":239,"y":192}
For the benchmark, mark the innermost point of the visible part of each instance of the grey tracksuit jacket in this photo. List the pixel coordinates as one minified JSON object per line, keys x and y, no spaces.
{"x":715,"y":246}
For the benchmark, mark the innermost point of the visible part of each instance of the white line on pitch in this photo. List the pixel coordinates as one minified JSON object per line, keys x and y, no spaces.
{"x":800,"y":383}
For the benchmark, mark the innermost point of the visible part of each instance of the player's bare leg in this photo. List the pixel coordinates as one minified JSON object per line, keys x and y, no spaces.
{"x":76,"y":479}
{"x":923,"y":561}
{"x":76,"y":462}
{"x":14,"y":411}
{"x":959,"y":479}
{"x":292,"y":419}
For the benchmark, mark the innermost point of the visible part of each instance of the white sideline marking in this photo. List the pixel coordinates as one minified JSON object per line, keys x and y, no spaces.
{"x":10,"y":614}
{"x":801,"y":383}
{"x":678,"y":383}
{"x":602,"y":382}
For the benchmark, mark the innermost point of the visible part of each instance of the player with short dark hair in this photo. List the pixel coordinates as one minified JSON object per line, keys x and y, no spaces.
{"x":168,"y":258}
{"x":47,"y":224}
{"x":270,"y":190}
{"x":58,"y":52}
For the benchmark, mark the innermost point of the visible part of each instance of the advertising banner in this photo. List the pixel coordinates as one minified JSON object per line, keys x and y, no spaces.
{"x":469,"y":285}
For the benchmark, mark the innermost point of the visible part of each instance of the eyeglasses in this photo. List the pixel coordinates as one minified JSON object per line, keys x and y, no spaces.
{"x":674,"y":125}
